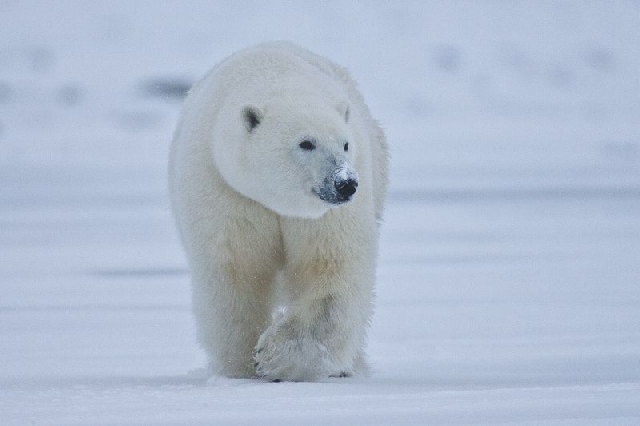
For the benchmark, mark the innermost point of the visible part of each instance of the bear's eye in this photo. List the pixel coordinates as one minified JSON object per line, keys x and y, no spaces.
{"x":346,"y":147}
{"x":307,"y":145}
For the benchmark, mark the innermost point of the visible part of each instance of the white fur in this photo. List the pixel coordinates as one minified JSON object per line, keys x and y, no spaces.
{"x":256,"y":233}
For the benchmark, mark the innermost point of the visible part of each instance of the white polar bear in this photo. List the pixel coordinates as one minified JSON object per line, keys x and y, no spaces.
{"x":278,"y":175}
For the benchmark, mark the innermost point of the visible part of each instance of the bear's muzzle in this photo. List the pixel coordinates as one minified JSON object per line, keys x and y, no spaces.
{"x":339,"y":187}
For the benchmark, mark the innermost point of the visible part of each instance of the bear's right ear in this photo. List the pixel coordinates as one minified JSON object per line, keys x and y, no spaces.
{"x":252,"y":116}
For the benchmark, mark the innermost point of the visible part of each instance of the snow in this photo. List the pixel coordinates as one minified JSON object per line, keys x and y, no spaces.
{"x":508,"y":282}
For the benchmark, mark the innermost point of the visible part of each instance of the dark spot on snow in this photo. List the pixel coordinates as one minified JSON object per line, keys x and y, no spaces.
{"x":169,"y":88}
{"x":560,"y":75}
{"x":69,"y":95}
{"x":40,"y":59}
{"x":448,"y":58}
{"x":599,"y":58}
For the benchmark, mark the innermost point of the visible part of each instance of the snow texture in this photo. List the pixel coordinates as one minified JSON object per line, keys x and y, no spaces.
{"x":509,"y":278}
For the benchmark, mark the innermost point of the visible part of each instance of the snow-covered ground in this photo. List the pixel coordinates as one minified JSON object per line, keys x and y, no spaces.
{"x":509,"y":276}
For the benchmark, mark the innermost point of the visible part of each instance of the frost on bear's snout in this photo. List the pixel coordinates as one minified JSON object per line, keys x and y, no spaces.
{"x":260,"y":161}
{"x":340,"y":186}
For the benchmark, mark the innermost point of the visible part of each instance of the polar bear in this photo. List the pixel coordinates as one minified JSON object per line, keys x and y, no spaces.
{"x":278,"y":176}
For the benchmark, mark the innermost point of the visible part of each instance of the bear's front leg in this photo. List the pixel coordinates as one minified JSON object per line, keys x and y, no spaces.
{"x":316,"y":338}
{"x":327,"y":278}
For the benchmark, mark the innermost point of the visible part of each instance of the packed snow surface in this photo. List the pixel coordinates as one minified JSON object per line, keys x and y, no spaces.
{"x":509,"y":272}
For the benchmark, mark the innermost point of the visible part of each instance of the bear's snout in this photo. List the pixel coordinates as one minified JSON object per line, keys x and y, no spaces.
{"x":346,"y":188}
{"x":339,"y":187}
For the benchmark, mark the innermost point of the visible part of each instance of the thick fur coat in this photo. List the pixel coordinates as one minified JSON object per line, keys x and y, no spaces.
{"x":278,"y":176}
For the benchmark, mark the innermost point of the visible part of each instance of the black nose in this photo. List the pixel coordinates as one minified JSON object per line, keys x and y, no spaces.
{"x":346,"y":188}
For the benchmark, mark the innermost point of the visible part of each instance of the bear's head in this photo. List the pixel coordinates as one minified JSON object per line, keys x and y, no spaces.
{"x":296,"y":160}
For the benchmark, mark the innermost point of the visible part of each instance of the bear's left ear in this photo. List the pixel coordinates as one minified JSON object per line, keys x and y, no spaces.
{"x":252,"y":117}
{"x":343,"y":109}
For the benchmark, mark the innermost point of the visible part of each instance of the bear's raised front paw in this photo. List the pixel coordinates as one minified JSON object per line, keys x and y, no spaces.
{"x":284,"y":356}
